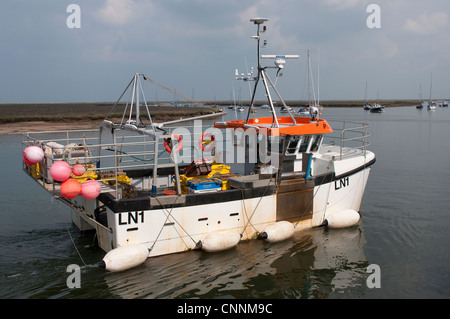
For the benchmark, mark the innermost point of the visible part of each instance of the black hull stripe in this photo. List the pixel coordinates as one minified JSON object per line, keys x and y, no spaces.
{"x":143,"y":201}
{"x":331,"y":177}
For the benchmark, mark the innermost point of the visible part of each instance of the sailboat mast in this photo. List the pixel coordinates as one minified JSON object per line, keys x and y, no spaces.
{"x":318,"y":74}
{"x":309,"y":80}
{"x":431,"y":84}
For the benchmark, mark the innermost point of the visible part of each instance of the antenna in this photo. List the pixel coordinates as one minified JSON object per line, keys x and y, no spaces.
{"x":259,"y":20}
{"x":280,"y":60}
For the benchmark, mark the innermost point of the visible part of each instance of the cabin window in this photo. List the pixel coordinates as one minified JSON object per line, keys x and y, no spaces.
{"x":305,"y":143}
{"x":292,"y":144}
{"x":316,"y":143}
{"x":274,"y":140}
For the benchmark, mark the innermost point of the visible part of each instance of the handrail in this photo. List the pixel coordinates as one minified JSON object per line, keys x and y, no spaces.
{"x":109,"y":154}
{"x":360,"y":131}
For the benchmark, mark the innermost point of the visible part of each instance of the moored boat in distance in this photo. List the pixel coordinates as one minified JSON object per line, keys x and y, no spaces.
{"x":151,"y":189}
{"x":376,"y":108}
{"x":304,"y":111}
{"x":431,"y":106}
{"x":286,"y":109}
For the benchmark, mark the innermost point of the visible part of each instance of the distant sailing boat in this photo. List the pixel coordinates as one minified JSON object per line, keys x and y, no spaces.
{"x":431,"y":105}
{"x":376,"y":107}
{"x":313,"y":105}
{"x":366,"y":104}
{"x":420,"y":105}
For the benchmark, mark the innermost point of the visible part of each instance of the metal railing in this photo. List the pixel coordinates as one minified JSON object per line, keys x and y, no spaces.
{"x":109,"y":155}
{"x":349,"y":134}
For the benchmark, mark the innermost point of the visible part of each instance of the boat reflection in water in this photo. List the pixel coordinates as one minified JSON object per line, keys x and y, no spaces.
{"x":317,"y":263}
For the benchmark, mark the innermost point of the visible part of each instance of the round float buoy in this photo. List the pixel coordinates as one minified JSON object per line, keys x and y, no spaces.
{"x":70,"y":188}
{"x":219,"y":240}
{"x":124,"y":257}
{"x":78,"y":170}
{"x":90,"y":189}
{"x":342,"y":219}
{"x":278,"y":231}
{"x":34,"y":154}
{"x":60,"y":171}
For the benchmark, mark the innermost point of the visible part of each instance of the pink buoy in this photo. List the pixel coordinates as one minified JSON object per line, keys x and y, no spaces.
{"x":90,"y":189}
{"x":78,"y":170}
{"x":70,"y":188}
{"x":60,"y":171}
{"x":34,"y":154}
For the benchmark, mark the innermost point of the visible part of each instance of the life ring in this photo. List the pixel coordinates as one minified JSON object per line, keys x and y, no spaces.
{"x":210,"y":147}
{"x":168,"y":143}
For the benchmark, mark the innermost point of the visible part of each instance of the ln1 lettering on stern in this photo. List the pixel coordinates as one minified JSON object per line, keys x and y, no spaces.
{"x":131,"y":218}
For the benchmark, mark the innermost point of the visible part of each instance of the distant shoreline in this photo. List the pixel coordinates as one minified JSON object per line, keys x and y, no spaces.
{"x":26,"y":117}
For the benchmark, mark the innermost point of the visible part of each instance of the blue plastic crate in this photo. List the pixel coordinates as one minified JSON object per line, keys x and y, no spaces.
{"x":201,"y":184}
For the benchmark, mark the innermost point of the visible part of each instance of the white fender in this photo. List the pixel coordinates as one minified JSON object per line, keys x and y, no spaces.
{"x":219,"y":240}
{"x":342,"y":219}
{"x":278,"y":231}
{"x":124,"y":257}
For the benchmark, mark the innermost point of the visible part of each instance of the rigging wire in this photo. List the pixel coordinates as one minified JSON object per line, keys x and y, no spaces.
{"x":169,"y":214}
{"x":254,"y":210}
{"x":70,"y":235}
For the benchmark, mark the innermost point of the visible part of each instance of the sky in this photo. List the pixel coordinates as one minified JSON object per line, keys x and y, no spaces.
{"x":194,"y":47}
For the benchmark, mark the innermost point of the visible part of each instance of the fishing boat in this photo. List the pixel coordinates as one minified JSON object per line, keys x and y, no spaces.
{"x":240,"y":109}
{"x":150,"y":189}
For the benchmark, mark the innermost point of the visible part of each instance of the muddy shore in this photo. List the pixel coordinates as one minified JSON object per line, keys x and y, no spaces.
{"x":28,"y":117}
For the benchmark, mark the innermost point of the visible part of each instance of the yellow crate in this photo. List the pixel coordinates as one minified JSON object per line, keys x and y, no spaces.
{"x":219,"y":169}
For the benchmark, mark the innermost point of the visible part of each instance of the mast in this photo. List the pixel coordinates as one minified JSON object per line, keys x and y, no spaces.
{"x":431,"y":84}
{"x":279,"y":61}
{"x":318,"y":74}
{"x":258,"y":22}
{"x":309,"y":82}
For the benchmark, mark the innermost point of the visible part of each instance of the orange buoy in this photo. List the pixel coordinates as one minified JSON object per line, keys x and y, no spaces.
{"x":90,"y":189}
{"x":70,"y":188}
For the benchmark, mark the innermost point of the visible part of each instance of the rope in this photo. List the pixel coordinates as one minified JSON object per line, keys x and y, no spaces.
{"x":254,"y":210}
{"x":171,"y":91}
{"x":71,"y":238}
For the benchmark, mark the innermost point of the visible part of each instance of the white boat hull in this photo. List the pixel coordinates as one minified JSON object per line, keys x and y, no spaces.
{"x":178,"y":229}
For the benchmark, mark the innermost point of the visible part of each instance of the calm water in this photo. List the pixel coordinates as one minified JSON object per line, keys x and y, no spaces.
{"x":404,"y":230}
